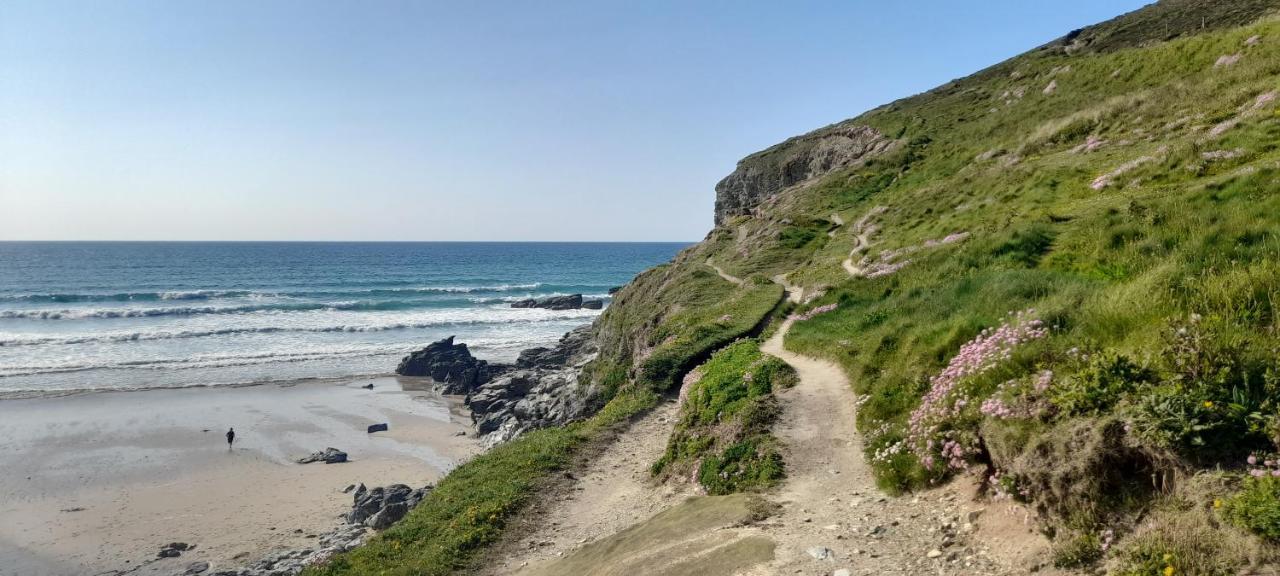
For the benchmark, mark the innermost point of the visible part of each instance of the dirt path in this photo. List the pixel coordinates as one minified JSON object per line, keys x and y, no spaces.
{"x":614,"y":492}
{"x":838,"y":222}
{"x":725,"y":275}
{"x":831,"y":518}
{"x":831,"y":506}
{"x":862,"y":231}
{"x":794,"y":293}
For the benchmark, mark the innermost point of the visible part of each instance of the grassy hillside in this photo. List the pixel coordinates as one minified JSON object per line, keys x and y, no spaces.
{"x":1063,"y":275}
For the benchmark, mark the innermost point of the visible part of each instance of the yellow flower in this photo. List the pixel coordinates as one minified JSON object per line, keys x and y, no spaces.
{"x":1208,"y":404}
{"x":1168,"y":558}
{"x":1168,"y":571}
{"x":1217,"y":502}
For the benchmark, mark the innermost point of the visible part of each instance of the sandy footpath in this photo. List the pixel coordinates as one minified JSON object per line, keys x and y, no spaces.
{"x":96,"y":483}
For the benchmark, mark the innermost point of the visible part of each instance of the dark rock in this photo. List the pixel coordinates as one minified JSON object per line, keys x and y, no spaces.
{"x":328,"y":456}
{"x":570,"y":302}
{"x":614,"y":290}
{"x":542,"y":390}
{"x":377,"y":428}
{"x":196,"y":568}
{"x":173,"y":549}
{"x":593,"y":304}
{"x":381,"y":507}
{"x":449,"y":364}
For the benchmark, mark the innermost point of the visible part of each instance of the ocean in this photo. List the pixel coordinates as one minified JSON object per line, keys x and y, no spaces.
{"x":78,"y":316}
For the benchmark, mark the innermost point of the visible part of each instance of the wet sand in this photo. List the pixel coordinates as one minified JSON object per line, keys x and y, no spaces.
{"x":97,"y":483}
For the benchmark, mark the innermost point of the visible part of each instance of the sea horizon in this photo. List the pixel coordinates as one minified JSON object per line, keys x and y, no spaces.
{"x":79,"y":316}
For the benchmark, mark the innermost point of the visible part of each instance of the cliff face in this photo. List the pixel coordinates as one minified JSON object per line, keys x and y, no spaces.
{"x":793,"y":162}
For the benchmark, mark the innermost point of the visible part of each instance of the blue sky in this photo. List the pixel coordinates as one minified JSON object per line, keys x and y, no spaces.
{"x":396,"y":120}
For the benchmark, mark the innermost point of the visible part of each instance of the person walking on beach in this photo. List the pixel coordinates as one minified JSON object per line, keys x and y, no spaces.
{"x":231,"y":437}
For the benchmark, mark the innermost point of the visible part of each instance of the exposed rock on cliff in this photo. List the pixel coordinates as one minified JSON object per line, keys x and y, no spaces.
{"x":449,"y":364}
{"x":379,"y":508}
{"x":815,"y":154}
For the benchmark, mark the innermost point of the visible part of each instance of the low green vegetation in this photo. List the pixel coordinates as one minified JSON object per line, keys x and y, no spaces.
{"x":1077,"y":276}
{"x":1256,"y":507}
{"x":722,"y":437}
{"x":1076,"y":295}
{"x":470,"y":507}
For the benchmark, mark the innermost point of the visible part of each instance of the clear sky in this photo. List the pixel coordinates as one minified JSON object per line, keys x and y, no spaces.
{"x":464,"y":120}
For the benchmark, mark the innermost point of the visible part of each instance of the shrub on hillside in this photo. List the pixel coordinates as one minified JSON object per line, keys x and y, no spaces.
{"x":1105,"y":380}
{"x":1256,"y":507}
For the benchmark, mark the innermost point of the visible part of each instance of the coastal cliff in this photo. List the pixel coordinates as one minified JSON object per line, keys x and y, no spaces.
{"x":1051,"y":283}
{"x":793,"y":162}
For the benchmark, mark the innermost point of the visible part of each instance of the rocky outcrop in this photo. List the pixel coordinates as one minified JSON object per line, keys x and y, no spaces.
{"x":376,"y":508}
{"x":449,"y":364}
{"x":291,"y":562}
{"x":797,"y":160}
{"x":381,"y":507}
{"x":570,"y":302}
{"x":542,"y":390}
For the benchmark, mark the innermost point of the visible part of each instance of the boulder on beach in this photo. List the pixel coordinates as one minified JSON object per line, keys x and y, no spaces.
{"x":449,"y":364}
{"x":593,"y":304}
{"x":377,"y":428}
{"x":328,"y":456}
{"x":173,"y":549}
{"x":570,"y":302}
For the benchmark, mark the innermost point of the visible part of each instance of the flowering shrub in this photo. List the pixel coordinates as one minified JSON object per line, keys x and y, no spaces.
{"x":926,"y":429}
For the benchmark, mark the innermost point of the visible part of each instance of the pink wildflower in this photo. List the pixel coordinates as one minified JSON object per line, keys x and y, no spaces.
{"x":984,"y":352}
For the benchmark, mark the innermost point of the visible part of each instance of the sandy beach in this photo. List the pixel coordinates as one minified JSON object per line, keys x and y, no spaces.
{"x":97,"y":483}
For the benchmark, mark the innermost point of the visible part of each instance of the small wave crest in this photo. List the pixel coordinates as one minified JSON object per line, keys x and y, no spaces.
{"x":166,"y":295}
{"x":489,"y":316}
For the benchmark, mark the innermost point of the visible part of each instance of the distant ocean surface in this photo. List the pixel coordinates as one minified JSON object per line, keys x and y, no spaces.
{"x":106,"y":315}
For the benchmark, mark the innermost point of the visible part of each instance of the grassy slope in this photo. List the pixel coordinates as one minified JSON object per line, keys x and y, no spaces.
{"x":1159,"y":288}
{"x":723,"y":436}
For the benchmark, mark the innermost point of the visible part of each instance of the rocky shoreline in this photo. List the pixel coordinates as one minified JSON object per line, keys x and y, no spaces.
{"x":540,"y":389}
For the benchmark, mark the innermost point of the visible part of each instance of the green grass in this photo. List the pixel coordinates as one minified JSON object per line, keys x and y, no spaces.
{"x":1160,"y":291}
{"x":723,"y":432}
{"x":470,"y":507}
{"x":1159,"y":288}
